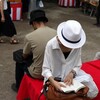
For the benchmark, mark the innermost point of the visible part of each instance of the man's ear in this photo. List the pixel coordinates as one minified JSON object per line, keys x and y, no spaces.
{"x":58,"y":40}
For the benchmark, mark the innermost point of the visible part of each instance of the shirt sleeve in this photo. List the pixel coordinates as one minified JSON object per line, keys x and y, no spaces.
{"x":46,"y":69}
{"x":27,"y":46}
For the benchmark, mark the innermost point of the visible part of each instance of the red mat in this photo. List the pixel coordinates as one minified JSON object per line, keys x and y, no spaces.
{"x":93,"y":68}
{"x":31,"y":88}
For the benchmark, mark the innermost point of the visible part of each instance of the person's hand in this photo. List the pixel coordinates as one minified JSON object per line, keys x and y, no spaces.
{"x":83,"y":92}
{"x":2,"y":19}
{"x":69,"y":79}
{"x":58,"y":86}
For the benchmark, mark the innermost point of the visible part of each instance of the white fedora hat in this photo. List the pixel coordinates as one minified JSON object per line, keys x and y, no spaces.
{"x":71,"y":34}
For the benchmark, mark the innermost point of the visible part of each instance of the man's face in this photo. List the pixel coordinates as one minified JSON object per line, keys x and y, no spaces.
{"x":63,"y":48}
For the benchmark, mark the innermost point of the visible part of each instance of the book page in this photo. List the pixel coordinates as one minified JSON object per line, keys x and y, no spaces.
{"x":74,"y":87}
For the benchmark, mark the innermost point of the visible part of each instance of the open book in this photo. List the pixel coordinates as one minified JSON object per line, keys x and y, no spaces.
{"x":76,"y":86}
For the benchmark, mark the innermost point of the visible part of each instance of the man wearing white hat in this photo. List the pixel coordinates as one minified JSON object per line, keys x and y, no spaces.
{"x":63,"y":58}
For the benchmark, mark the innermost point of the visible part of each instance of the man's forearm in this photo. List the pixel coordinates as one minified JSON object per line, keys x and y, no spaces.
{"x":51,"y":79}
{"x":1,"y":7}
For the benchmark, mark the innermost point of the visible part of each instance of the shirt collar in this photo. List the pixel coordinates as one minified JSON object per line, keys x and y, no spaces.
{"x":56,"y":44}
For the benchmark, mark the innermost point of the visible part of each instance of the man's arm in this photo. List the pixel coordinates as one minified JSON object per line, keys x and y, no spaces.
{"x":77,"y":65}
{"x":27,"y":49}
{"x":56,"y":84}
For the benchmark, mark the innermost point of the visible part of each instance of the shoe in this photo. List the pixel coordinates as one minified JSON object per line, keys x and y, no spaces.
{"x":14,"y":88}
{"x":2,"y":41}
{"x":14,"y":41}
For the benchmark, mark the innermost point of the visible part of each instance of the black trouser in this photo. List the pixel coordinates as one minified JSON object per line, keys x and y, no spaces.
{"x":21,"y":66}
{"x":98,"y":18}
{"x":77,"y":3}
{"x":19,"y":73}
{"x":25,"y":5}
{"x":98,"y":15}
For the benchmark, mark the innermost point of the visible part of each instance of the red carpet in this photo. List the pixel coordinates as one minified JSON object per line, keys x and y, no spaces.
{"x":31,"y":88}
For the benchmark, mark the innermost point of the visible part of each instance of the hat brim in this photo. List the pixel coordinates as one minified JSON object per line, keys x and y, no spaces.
{"x":68,"y":44}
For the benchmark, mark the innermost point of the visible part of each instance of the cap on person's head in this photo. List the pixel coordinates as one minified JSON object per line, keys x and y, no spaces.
{"x":38,"y":15}
{"x":71,"y":34}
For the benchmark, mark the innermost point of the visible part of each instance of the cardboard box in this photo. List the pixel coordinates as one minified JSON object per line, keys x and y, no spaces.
{"x":67,"y":3}
{"x":16,"y":10}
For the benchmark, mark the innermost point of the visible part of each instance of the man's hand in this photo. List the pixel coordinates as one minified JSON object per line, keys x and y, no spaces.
{"x":58,"y":85}
{"x":25,"y":56}
{"x":83,"y":92}
{"x":69,"y":79}
{"x":2,"y":19}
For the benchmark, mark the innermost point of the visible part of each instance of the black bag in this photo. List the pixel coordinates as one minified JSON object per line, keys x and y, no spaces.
{"x":18,"y":57}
